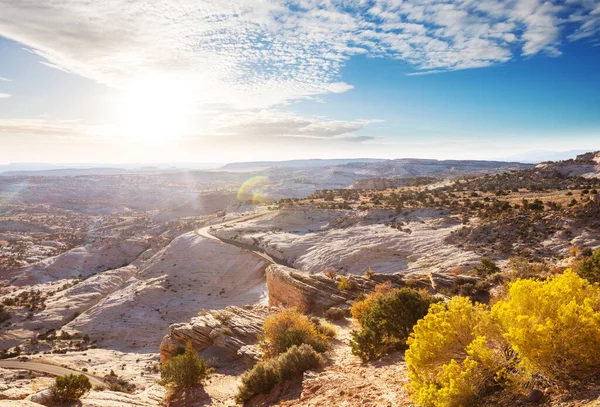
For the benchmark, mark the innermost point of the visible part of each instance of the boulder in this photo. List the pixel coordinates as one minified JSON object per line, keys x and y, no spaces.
{"x":234,"y":329}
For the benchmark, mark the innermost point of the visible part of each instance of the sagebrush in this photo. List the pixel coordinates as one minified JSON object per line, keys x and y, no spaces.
{"x":267,"y":374}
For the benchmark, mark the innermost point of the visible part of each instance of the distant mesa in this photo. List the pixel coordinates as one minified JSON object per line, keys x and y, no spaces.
{"x":298,"y":163}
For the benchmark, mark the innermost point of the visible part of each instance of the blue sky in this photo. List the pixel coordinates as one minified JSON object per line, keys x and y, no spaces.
{"x":206,"y":80}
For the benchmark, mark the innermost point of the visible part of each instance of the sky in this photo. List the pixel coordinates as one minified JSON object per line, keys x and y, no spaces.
{"x":121,"y":81}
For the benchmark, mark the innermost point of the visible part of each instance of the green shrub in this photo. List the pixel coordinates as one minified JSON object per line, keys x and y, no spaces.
{"x":364,"y":302}
{"x":589,"y":267}
{"x":387,"y":322}
{"x":486,"y":267}
{"x":266,"y":374}
{"x":184,"y":371}
{"x":287,"y":328}
{"x":71,"y":387}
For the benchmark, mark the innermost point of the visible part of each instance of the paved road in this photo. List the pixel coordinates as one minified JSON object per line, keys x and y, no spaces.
{"x":205,"y":232}
{"x":47,"y":368}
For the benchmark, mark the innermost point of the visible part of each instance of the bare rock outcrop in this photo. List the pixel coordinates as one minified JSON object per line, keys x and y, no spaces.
{"x":317,"y":292}
{"x":234,"y":329}
{"x":592,"y":156}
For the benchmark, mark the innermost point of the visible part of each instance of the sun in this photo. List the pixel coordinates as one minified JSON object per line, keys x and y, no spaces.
{"x":154,"y":110}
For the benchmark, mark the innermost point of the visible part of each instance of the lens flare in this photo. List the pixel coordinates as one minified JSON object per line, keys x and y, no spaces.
{"x":252,"y":190}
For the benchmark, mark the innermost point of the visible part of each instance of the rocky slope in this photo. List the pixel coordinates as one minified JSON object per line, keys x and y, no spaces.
{"x":351,"y":241}
{"x":82,"y":261}
{"x":173,"y":286}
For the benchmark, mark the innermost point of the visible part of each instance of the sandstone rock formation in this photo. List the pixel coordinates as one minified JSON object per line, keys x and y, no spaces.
{"x":233,"y":329}
{"x":317,"y":292}
{"x":189,"y":274}
{"x":352,"y":241}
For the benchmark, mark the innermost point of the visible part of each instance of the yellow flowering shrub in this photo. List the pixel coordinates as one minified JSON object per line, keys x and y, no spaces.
{"x":553,"y":325}
{"x":549,"y":328}
{"x":451,"y":354}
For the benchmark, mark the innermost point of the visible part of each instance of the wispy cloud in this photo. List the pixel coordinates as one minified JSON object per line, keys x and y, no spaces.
{"x":259,"y":54}
{"x":51,"y":130}
{"x":4,"y":79}
{"x":271,"y":123}
{"x":5,"y":96}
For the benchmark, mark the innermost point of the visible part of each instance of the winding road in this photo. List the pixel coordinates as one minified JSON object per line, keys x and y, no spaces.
{"x":47,"y":368}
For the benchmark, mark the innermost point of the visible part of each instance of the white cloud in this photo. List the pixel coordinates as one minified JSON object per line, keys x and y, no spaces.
{"x":257,"y":54}
{"x":4,"y":95}
{"x":4,"y":79}
{"x":271,"y":123}
{"x":50,"y":130}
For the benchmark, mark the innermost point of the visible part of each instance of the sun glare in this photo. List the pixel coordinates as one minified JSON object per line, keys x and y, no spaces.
{"x":154,"y":111}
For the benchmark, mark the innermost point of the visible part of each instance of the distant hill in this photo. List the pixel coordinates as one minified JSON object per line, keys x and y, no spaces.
{"x":65,"y":172}
{"x":77,"y":169}
{"x":317,"y":162}
{"x":539,"y":156}
{"x":584,"y":165}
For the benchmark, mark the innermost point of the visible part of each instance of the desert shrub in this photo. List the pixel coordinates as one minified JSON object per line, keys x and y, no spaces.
{"x":64,"y":335}
{"x":553,"y":325}
{"x":185,"y":370}
{"x":574,"y":251}
{"x":541,"y":330}
{"x":332,"y":274}
{"x":589,"y":267}
{"x":369,"y":273}
{"x":450,"y":360}
{"x":266,"y":374}
{"x":486,"y":267}
{"x":4,"y":314}
{"x":70,"y":387}
{"x":115,"y":383}
{"x":287,"y":328}
{"x":335,"y":313}
{"x":363,"y":302}
{"x":346,"y":284}
{"x":386,"y":322}
{"x":521,"y":267}
{"x":324,"y":328}
{"x":465,"y":289}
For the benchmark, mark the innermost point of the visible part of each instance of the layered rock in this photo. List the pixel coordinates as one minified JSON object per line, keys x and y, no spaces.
{"x":233,"y":329}
{"x":236,"y":330}
{"x":317,"y":292}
